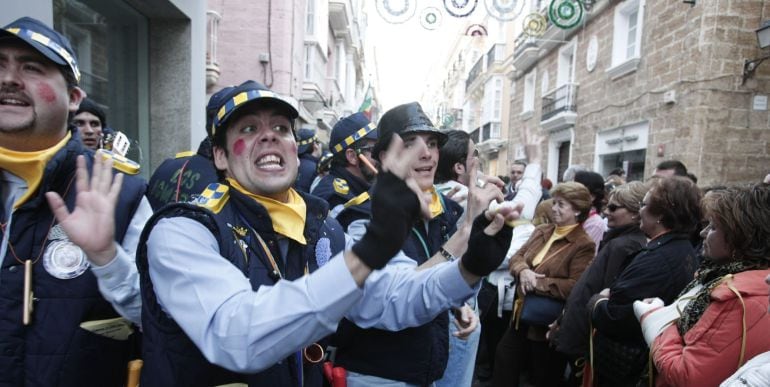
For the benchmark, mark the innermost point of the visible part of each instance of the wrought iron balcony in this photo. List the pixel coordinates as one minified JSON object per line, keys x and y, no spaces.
{"x":477,"y":69}
{"x":561,"y":100}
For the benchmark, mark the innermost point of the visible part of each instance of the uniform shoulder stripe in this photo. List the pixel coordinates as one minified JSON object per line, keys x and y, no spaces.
{"x":213,"y":197}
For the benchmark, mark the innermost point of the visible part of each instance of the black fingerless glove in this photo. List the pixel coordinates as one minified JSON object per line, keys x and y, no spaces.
{"x":485,"y":252}
{"x":395,"y":208}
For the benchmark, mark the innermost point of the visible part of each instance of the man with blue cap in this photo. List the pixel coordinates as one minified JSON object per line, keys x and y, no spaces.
{"x":68,"y":240}
{"x":310,"y":150}
{"x":243,"y":284}
{"x":352,"y":171}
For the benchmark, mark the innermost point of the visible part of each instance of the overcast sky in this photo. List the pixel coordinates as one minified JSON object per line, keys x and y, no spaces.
{"x":407,"y":52}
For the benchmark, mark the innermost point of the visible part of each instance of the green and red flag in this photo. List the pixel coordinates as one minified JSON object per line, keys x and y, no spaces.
{"x":366,"y":105}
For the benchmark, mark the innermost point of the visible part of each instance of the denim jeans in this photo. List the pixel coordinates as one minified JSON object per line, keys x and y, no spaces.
{"x":462,"y":358}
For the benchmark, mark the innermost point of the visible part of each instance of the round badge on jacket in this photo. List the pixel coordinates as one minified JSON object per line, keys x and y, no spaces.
{"x":63,"y":259}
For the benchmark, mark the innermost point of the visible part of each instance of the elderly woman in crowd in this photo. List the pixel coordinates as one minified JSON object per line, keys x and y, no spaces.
{"x":621,"y":242}
{"x":724,"y":317}
{"x":548,"y":264}
{"x":669,"y":213}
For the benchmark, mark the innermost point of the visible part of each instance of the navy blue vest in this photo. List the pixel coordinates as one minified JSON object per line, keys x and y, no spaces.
{"x":54,"y":350}
{"x":170,"y":357}
{"x":180,"y":179}
{"x":306,"y":172}
{"x":413,"y":355}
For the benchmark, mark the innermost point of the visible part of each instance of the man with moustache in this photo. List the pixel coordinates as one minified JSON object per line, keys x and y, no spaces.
{"x":66,"y":277}
{"x":236,"y":284}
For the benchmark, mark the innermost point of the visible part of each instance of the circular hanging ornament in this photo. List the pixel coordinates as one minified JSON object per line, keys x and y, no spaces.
{"x":504,"y":10}
{"x":396,"y":11}
{"x":460,"y":8}
{"x":476,"y":30}
{"x":430,"y":18}
{"x":535,"y":24}
{"x":565,"y":14}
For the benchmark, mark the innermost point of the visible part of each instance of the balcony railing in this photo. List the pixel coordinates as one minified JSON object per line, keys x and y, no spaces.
{"x":477,"y":69}
{"x":495,"y":55}
{"x":561,"y":100}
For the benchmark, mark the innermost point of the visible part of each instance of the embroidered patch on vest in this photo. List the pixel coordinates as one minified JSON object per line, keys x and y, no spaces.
{"x":341,"y":186}
{"x":323,"y":251}
{"x":213,"y":197}
{"x":62,"y":258}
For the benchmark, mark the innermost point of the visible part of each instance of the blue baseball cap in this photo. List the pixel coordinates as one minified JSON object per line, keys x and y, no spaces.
{"x":350,"y":130}
{"x":227,"y":101}
{"x":45,"y":40}
{"x":305,"y":139}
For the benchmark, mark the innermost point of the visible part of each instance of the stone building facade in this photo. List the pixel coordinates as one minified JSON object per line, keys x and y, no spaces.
{"x":643,"y":81}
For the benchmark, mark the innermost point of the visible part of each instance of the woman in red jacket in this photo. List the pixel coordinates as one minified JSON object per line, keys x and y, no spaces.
{"x":724,"y":319}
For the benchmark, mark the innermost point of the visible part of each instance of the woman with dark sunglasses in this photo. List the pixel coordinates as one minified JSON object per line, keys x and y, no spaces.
{"x":623,"y":239}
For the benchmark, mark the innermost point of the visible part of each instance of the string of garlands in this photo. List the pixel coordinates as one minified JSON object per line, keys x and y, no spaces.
{"x":564,"y":14}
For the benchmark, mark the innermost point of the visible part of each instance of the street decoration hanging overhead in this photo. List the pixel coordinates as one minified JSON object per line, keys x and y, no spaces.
{"x":460,"y":8}
{"x":535,"y":24}
{"x":476,"y":30}
{"x":565,"y":14}
{"x":504,"y":10}
{"x":430,"y":18}
{"x":396,"y":11}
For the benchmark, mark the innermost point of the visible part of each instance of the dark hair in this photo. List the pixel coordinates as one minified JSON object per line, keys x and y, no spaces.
{"x":455,"y":150}
{"x":743,"y":211}
{"x":518,"y":162}
{"x":618,"y":172}
{"x":677,"y":201}
{"x":595,"y":184}
{"x":676,"y":165}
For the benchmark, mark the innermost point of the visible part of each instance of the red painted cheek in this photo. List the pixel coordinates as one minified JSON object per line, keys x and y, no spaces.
{"x":46,"y":93}
{"x":238,"y":147}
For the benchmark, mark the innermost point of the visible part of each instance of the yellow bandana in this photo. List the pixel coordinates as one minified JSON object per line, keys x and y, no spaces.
{"x":436,"y":207}
{"x":288,"y":218}
{"x":558,"y":233}
{"x":29,"y":166}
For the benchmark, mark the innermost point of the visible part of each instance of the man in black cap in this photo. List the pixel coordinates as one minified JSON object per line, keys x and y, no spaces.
{"x":310,"y":149}
{"x":90,"y":121}
{"x":235,"y":284}
{"x":418,"y":356}
{"x":352,"y":171}
{"x":66,"y":276}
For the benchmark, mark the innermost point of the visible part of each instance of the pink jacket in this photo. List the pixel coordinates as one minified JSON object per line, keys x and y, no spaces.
{"x":710,"y":350}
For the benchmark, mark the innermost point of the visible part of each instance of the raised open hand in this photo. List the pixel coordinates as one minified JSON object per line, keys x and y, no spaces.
{"x":91,"y":224}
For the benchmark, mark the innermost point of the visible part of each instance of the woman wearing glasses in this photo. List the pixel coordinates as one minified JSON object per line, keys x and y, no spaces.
{"x":620,"y":243}
{"x":669,"y":213}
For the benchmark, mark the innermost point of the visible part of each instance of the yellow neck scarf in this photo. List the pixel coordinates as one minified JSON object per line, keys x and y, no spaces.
{"x":29,"y":166}
{"x":288,"y":218}
{"x":435,"y":207}
{"x":558,"y":233}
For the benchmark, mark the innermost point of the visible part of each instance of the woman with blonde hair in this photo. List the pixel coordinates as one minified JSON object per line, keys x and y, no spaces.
{"x":546,"y":268}
{"x":620,"y":243}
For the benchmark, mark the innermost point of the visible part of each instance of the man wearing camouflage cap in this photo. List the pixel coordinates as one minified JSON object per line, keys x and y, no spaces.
{"x":66,"y":276}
